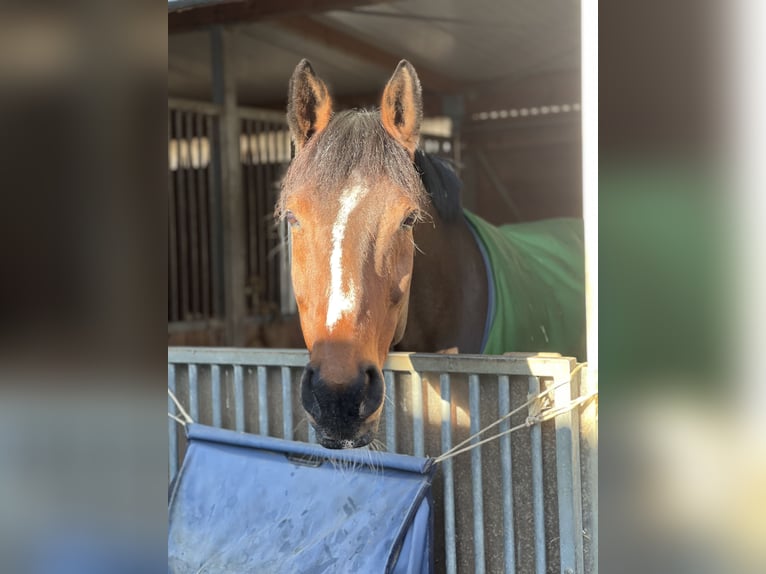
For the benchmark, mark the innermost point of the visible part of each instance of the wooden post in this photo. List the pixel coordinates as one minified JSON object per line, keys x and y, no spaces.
{"x":223,"y":54}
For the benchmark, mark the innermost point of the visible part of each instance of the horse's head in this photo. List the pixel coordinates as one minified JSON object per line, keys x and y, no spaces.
{"x":351,"y":197}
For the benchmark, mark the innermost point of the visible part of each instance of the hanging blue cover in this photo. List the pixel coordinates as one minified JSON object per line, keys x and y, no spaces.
{"x":244,"y":503}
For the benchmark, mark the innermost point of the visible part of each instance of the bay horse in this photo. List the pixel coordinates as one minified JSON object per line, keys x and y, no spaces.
{"x":361,"y":199}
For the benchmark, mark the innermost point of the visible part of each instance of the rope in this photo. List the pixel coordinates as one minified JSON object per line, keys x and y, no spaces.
{"x":186,"y":418}
{"x":461,"y":447}
{"x":175,"y":418}
{"x":513,"y":412}
{"x":529,"y":422}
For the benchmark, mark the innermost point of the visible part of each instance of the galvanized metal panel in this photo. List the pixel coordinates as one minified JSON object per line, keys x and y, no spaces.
{"x":477,"y":488}
{"x":449,"y":479}
{"x":485,"y":494}
{"x":537,"y":484}
{"x":239,"y":398}
{"x":172,"y":428}
{"x":215,"y":391}
{"x":390,"y":411}
{"x":568,"y":480}
{"x":506,"y":468}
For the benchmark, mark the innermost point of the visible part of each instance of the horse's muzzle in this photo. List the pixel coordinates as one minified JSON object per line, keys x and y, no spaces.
{"x":343,"y":414}
{"x":358,"y":442}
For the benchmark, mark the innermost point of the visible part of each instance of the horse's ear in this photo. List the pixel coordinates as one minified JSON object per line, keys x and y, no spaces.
{"x":309,"y":106}
{"x":401,"y":110}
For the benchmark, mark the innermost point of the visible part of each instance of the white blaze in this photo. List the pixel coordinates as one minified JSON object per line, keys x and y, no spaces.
{"x":342,"y":300}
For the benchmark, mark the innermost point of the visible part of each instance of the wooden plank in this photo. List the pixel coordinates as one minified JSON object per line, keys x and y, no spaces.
{"x":264,"y":115}
{"x":524,"y":91}
{"x":497,"y":183}
{"x":350,"y":45}
{"x":252,"y":10}
{"x":197,"y":106}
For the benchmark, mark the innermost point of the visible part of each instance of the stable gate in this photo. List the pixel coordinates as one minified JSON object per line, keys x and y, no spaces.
{"x":524,"y":502}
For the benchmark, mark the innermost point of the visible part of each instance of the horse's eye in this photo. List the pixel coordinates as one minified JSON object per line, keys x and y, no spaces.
{"x":291,"y":219}
{"x":410,"y":220}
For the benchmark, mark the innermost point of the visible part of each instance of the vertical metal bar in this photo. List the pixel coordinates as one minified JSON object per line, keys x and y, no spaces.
{"x":204,"y":220}
{"x":449,"y":484}
{"x":183,"y":237}
{"x":272,"y":171}
{"x":587,"y":382}
{"x":568,"y":480}
{"x":538,"y":508}
{"x":266,"y":166}
{"x":263,"y":402}
{"x":214,"y":199}
{"x":476,"y":478}
{"x":193,"y":394}
{"x":172,"y":431}
{"x":390,"y":410}
{"x":173,"y":311}
{"x":223,"y":52}
{"x":418,"y":436}
{"x":251,"y":194}
{"x":191,"y":177}
{"x":590,"y":191}
{"x":506,"y":471}
{"x":239,"y":399}
{"x":287,"y":404}
{"x":215,"y":393}
{"x":260,"y":202}
{"x":275,"y":261}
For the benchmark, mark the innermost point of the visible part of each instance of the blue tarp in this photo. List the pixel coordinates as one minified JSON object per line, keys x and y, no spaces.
{"x":250,"y":504}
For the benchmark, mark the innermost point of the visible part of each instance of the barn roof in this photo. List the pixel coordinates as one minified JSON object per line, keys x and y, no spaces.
{"x":473,"y":48}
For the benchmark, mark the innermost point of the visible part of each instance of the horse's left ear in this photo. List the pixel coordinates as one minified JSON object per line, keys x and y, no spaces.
{"x":401,"y":110}
{"x":309,"y":106}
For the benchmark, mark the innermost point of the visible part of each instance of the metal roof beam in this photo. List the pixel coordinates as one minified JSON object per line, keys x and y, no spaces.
{"x":196,"y":15}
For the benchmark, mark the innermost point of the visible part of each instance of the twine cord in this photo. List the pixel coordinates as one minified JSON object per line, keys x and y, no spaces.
{"x":185,"y":418}
{"x":463,"y":446}
{"x":529,"y":422}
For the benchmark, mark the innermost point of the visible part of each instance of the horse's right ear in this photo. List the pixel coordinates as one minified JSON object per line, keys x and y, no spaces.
{"x":309,"y":106}
{"x":401,"y":110}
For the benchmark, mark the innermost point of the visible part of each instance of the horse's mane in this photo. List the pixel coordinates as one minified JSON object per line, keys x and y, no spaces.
{"x":442,"y":185}
{"x":355,"y":143}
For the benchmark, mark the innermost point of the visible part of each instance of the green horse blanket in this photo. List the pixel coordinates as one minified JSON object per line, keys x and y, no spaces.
{"x":536,"y":278}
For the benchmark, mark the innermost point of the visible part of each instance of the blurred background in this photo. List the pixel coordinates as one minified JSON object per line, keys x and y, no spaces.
{"x":106,"y":116}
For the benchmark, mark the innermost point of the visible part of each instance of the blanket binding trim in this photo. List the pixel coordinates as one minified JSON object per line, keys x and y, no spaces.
{"x":490,"y":284}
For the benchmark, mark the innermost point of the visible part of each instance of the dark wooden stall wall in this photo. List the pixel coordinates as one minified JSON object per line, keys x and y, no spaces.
{"x":523,"y":169}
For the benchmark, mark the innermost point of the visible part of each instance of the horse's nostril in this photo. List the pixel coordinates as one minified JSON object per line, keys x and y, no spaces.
{"x":316,"y":380}
{"x":374,"y":391}
{"x":310,"y":384}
